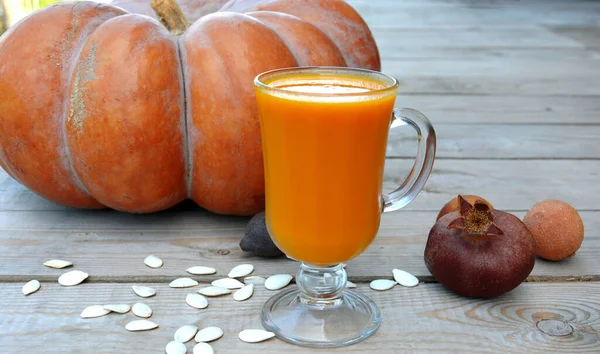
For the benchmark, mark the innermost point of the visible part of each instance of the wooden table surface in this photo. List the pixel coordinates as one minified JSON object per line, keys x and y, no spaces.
{"x":513,"y":89}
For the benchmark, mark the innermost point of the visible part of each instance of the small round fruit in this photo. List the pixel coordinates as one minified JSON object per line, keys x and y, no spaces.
{"x":454,"y":204}
{"x":557,"y":229}
{"x":257,"y":239}
{"x":479,"y":252}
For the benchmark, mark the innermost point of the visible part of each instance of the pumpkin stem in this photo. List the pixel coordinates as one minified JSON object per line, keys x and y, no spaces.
{"x":169,"y":13}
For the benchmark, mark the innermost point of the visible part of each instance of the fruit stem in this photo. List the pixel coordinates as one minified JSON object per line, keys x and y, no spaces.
{"x":169,"y":13}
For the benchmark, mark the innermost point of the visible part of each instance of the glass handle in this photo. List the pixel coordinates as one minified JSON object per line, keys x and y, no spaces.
{"x":419,"y":174}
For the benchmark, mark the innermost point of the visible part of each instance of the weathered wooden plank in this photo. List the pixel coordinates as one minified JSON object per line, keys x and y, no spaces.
{"x":503,"y":141}
{"x":503,"y":76}
{"x":482,"y":54}
{"x":427,"y":318}
{"x":111,"y":246}
{"x":481,"y":13}
{"x":484,"y":109}
{"x":589,"y":36}
{"x":523,"y":37}
{"x":509,"y":184}
{"x":512,"y":184}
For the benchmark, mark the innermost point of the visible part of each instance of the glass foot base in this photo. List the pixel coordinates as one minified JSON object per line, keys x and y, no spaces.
{"x":350,"y":319}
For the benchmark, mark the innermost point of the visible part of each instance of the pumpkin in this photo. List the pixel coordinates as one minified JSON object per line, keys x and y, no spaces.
{"x":100,"y":107}
{"x":192,"y":9}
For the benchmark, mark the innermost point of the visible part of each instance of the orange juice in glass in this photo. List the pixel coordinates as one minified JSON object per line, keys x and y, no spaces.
{"x":324,"y":136}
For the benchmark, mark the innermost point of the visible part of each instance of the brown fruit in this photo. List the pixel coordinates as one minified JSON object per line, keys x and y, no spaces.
{"x":454,"y":204}
{"x":557,"y":229}
{"x":479,"y":252}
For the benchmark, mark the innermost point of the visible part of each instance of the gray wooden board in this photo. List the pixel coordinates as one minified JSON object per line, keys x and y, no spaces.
{"x":510,"y":184}
{"x":508,"y":110}
{"x":111,"y":246}
{"x":434,"y":13}
{"x":500,"y":76}
{"x":519,"y":38}
{"x":427,"y":318}
{"x":494,"y":141}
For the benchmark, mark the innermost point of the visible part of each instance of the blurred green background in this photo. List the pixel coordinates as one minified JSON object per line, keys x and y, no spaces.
{"x":11,"y":11}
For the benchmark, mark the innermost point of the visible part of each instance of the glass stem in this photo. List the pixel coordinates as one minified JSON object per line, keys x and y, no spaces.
{"x":321,"y":286}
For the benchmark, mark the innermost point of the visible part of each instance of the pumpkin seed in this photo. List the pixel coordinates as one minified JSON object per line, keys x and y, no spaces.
{"x":31,"y":287}
{"x":214,"y":291}
{"x":140,"y":325}
{"x":405,"y":278}
{"x":350,"y":285}
{"x":203,"y":348}
{"x":185,"y":333}
{"x":118,"y":308}
{"x":244,"y":293}
{"x":143,"y":291}
{"x":278,"y":281}
{"x":72,"y":278}
{"x":201,"y":270}
{"x":382,"y":284}
{"x":254,"y":280}
{"x":241,"y":270}
{"x":153,"y":262}
{"x":57,"y":264}
{"x":209,"y":334}
{"x":94,"y":311}
{"x":174,"y":347}
{"x":141,"y":310}
{"x":255,"y":335}
{"x":183,"y":283}
{"x":196,"y":301}
{"x":228,"y":283}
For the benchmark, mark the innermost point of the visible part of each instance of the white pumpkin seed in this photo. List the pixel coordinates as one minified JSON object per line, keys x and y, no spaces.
{"x":244,"y":293}
{"x":254,"y":280}
{"x":241,"y":270}
{"x":94,"y":311}
{"x":140,"y":325}
{"x":203,"y":348}
{"x":196,"y":301}
{"x":183,"y":283}
{"x":201,"y":270}
{"x":141,"y":310}
{"x":31,"y":287}
{"x":185,"y":334}
{"x":382,"y":284}
{"x":228,"y":283}
{"x":143,"y":291}
{"x":209,"y":334}
{"x":118,"y":308}
{"x":57,"y":264}
{"x":350,"y":285}
{"x":72,"y":278}
{"x":255,"y":335}
{"x":153,"y":262}
{"x":214,"y":291}
{"x":278,"y":281}
{"x":174,"y":347}
{"x":405,"y":278}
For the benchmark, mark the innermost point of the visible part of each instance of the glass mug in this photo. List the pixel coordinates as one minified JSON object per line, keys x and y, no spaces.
{"x":324,"y":137}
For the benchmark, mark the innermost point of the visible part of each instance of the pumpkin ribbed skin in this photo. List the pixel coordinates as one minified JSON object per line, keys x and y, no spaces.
{"x":101,"y":107}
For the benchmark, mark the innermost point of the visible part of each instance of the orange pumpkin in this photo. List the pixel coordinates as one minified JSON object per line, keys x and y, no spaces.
{"x":101,"y":107}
